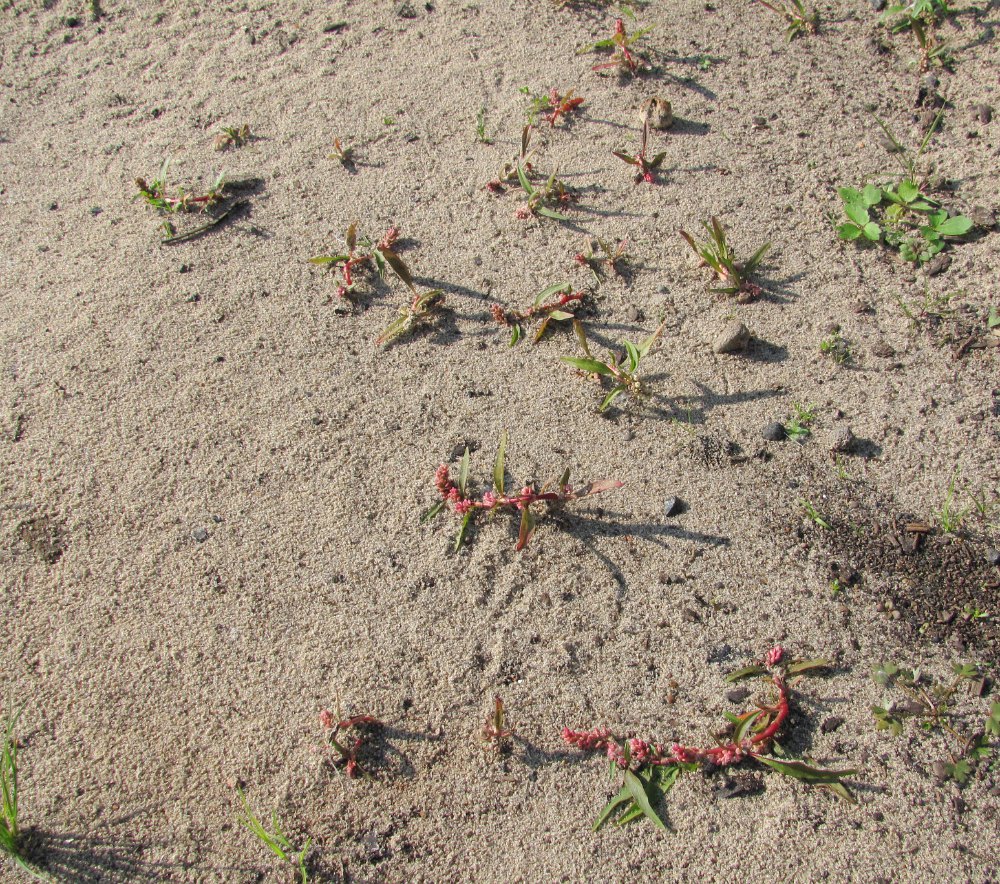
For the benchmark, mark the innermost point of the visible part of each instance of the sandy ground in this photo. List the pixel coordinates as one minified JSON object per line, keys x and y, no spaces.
{"x":212,"y":478}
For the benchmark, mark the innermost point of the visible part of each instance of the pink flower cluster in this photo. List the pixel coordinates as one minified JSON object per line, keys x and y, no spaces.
{"x":774,"y":656}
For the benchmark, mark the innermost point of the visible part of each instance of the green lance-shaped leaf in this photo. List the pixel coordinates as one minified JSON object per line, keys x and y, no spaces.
{"x":591,"y":366}
{"x":557,"y":288}
{"x":805,"y":772}
{"x":433,"y":511}
{"x":614,"y":394}
{"x":515,"y":334}
{"x":400,"y":269}
{"x":549,"y":213}
{"x":633,"y":356}
{"x":623,"y":796}
{"x":744,"y":724}
{"x":526,"y":528}
{"x":498,"y":466}
{"x":329,"y":259}
{"x":637,"y":790}
{"x":745,"y":672}
{"x":525,"y":183}
{"x":466,"y":520}
{"x":808,"y":666}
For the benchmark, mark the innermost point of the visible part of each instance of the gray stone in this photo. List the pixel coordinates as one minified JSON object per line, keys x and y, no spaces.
{"x":984,"y":112}
{"x":843,"y":441}
{"x":200,"y":534}
{"x":773,"y":432}
{"x":940,"y":771}
{"x":658,"y":112}
{"x":993,"y":556}
{"x":981,"y":216}
{"x":831,"y":724}
{"x":671,"y":506}
{"x":938,"y":264}
{"x":733,"y":338}
{"x":737,"y":695}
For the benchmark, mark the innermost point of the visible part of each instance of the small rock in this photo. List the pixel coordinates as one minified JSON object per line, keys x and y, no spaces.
{"x":897,"y":615}
{"x":632,"y":314}
{"x":672,"y":506}
{"x":984,"y":112}
{"x":937,"y":265}
{"x":200,"y":534}
{"x":831,"y":724}
{"x":993,"y":556}
{"x":773,"y":432}
{"x":657,"y":112}
{"x":883,"y":351}
{"x":690,"y":615}
{"x":53,"y":207}
{"x":737,"y":695}
{"x":940,"y":771}
{"x":958,"y":805}
{"x":843,"y":441}
{"x":184,"y":268}
{"x":948,"y":617}
{"x":981,"y":216}
{"x":760,"y":123}
{"x":927,"y":119}
{"x":733,"y":338}
{"x":877,"y":5}
{"x":95,"y":210}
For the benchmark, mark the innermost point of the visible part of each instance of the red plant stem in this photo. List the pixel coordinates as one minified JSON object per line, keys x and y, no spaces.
{"x":561,"y":301}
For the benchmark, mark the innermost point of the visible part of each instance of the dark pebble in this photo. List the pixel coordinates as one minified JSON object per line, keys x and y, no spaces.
{"x":773,"y":432}
{"x":200,"y":534}
{"x":690,"y":615}
{"x":406,"y":10}
{"x":632,"y":315}
{"x":984,"y":112}
{"x":831,"y":724}
{"x":671,"y":506}
{"x":940,"y":771}
{"x":184,"y":268}
{"x":96,"y":210}
{"x":737,"y":695}
{"x":993,"y":556}
{"x":937,"y":264}
{"x":53,"y":207}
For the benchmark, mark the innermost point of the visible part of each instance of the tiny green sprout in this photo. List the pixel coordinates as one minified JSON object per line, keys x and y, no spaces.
{"x":232,"y":136}
{"x":813,"y":514}
{"x":622,"y":370}
{"x":797,"y":427}
{"x":794,"y":12}
{"x":950,"y":518}
{"x":418,"y":312}
{"x":921,"y":18}
{"x":993,"y":320}
{"x":836,"y":588}
{"x":275,"y":840}
{"x":481,"y":135}
{"x":155,"y":194}
{"x":559,"y":309}
{"x":601,"y":259}
{"x":388,"y":121}
{"x":363,"y":252}
{"x":704,"y":62}
{"x":344,"y":155}
{"x":716,"y":254}
{"x":623,"y":59}
{"x":836,"y":348}
{"x":973,"y":612}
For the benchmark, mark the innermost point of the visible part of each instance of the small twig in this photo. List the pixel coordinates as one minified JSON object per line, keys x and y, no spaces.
{"x":215,"y":222}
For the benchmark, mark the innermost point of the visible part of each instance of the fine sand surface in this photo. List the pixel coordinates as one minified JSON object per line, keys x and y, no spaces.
{"x":211,"y":477}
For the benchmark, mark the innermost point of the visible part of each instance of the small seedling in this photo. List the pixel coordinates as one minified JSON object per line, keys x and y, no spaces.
{"x":381,"y":254}
{"x":481,"y":135}
{"x":836,"y":348}
{"x":623,"y":59}
{"x":949,"y":516}
{"x":344,"y":155}
{"x":797,"y":427}
{"x":650,"y":769}
{"x":497,"y":733}
{"x":601,"y":259}
{"x":921,"y":18}
{"x":549,"y":310}
{"x":537,"y":105}
{"x":155,"y":194}
{"x":813,"y":514}
{"x":561,"y":104}
{"x":232,"y":136}
{"x":346,"y":750}
{"x":540,"y":199}
{"x":716,"y":253}
{"x":704,"y":62}
{"x":794,"y":12}
{"x":509,"y":172}
{"x":974,"y":612}
{"x":645,"y":168}
{"x":10,"y":827}
{"x":419,"y":311}
{"x":933,"y":309}
{"x":933,"y":707}
{"x":275,"y":840}
{"x":622,"y":369}
{"x":458,"y":496}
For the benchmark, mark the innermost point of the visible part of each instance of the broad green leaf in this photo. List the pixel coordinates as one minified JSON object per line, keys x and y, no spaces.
{"x":609,"y":808}
{"x":633,"y":356}
{"x":808,"y":666}
{"x":955,"y":226}
{"x":560,"y":315}
{"x":871,"y":195}
{"x":463,"y":472}
{"x":858,"y":213}
{"x":746,"y":722}
{"x":549,"y":213}
{"x":525,"y":183}
{"x":526,"y":528}
{"x":637,"y":789}
{"x":849,"y":231}
{"x":515,"y":334}
{"x":557,"y":288}
{"x":498,"y":465}
{"x":745,"y":672}
{"x":657,"y":161}
{"x":908,"y":191}
{"x":401,"y":270}
{"x":872,"y":231}
{"x":591,"y":366}
{"x":466,"y":520}
{"x":850,"y":195}
{"x":614,"y":394}
{"x":328,"y":259}
{"x":802,"y":771}
{"x":632,"y":161}
{"x":433,"y":511}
